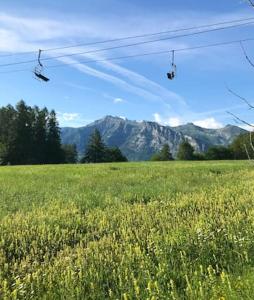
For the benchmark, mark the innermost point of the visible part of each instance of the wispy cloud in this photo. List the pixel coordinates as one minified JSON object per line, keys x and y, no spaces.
{"x":72,"y":119}
{"x":20,"y":34}
{"x":208,"y":123}
{"x":68,"y":116}
{"x":169,"y":121}
{"x":137,"y":89}
{"x":211,"y":123}
{"x":118,"y":100}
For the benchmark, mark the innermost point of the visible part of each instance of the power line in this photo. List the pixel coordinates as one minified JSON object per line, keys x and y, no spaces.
{"x":128,"y":45}
{"x":134,"y":37}
{"x":139,"y":55}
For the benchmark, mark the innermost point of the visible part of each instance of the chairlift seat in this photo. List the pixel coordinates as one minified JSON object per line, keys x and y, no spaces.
{"x":42,"y":77}
{"x":171,"y":75}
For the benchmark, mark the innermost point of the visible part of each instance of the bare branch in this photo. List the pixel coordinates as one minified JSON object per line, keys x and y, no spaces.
{"x":242,"y":121}
{"x":240,"y":97}
{"x":247,"y":152}
{"x":246,"y":55}
{"x":251,"y":2}
{"x":251,"y":142}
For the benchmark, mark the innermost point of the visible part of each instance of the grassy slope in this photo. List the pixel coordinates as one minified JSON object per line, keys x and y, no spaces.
{"x":127,"y":231}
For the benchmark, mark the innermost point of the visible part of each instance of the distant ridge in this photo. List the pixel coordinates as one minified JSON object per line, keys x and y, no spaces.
{"x":139,"y":140}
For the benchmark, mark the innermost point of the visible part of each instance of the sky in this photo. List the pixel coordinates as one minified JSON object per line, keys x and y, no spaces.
{"x":134,"y":88}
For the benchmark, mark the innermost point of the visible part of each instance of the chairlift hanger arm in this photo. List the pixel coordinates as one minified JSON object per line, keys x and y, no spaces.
{"x":173,"y":57}
{"x":171,"y":75}
{"x":39,"y":58}
{"x":38,"y":71}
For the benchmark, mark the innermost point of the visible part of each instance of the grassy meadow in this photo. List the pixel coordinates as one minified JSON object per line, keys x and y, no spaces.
{"x":175,"y":230}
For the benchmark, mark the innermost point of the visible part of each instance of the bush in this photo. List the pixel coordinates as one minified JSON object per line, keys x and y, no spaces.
{"x":219,"y":153}
{"x":163,"y":155}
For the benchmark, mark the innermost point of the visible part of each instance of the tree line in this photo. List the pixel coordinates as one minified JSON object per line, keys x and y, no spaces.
{"x":97,"y":152}
{"x":30,"y":135}
{"x":240,"y":148}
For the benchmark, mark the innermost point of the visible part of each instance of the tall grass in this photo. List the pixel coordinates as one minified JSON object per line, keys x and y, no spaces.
{"x":127,"y":231}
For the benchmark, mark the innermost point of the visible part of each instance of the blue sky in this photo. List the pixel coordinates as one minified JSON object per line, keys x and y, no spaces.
{"x":134,"y":88}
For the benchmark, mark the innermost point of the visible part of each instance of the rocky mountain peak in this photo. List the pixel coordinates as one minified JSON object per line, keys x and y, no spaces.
{"x":139,"y":140}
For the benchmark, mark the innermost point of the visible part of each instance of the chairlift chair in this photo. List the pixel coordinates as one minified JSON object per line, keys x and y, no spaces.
{"x":38,"y":70}
{"x":172,"y":74}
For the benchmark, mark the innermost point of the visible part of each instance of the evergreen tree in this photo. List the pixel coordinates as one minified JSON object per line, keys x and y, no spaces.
{"x":219,"y":153}
{"x":54,"y":152}
{"x":22,"y":135}
{"x":7,"y":133}
{"x":163,"y":155}
{"x":185,"y":151}
{"x":241,"y":144}
{"x":70,"y":153}
{"x":96,"y":150}
{"x":199,"y":156}
{"x":40,"y":135}
{"x":29,"y":136}
{"x":114,"y":154}
{"x":3,"y":153}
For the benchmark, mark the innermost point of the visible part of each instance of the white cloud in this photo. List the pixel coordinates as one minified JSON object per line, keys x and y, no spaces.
{"x":118,"y":100}
{"x":141,"y":91}
{"x":208,"y":123}
{"x":20,"y":33}
{"x":166,"y":96}
{"x":71,"y":119}
{"x":157,"y":118}
{"x":66,"y":117}
{"x":171,"y":121}
{"x":247,"y":127}
{"x":174,"y":122}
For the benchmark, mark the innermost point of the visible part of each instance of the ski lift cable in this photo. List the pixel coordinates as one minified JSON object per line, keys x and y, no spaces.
{"x":137,"y":55}
{"x":154,"y":34}
{"x":133,"y":37}
{"x":128,"y":45}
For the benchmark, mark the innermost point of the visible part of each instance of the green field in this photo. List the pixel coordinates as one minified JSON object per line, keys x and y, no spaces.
{"x":171,"y":230}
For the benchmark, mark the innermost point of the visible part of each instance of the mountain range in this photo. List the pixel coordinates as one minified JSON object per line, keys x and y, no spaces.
{"x":139,"y":140}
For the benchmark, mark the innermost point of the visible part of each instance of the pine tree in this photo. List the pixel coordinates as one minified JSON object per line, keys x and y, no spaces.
{"x":54,"y":152}
{"x":163,"y":155}
{"x":7,"y":133}
{"x":219,"y":153}
{"x":96,"y":150}
{"x":114,"y":154}
{"x":185,"y":151}
{"x":70,"y":153}
{"x":241,"y":146}
{"x":29,"y":136}
{"x":22,"y":135}
{"x":40,"y":135}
